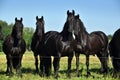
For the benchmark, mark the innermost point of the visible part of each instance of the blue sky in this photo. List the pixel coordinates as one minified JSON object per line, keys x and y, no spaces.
{"x":103,"y":15}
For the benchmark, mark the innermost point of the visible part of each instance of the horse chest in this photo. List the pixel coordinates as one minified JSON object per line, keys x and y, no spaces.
{"x":16,"y":48}
{"x":16,"y":43}
{"x":66,"y":47}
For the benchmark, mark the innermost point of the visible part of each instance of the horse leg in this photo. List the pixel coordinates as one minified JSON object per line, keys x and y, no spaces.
{"x":18,"y":68}
{"x":103,"y":59}
{"x":69,"y":64}
{"x":87,"y":64}
{"x":36,"y":62}
{"x":77,"y":63}
{"x":47,"y":64}
{"x":42,"y":67}
{"x":56,"y":65}
{"x":9,"y":65}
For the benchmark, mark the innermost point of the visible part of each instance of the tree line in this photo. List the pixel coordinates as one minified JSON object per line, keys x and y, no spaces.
{"x":7,"y":29}
{"x":27,"y":33}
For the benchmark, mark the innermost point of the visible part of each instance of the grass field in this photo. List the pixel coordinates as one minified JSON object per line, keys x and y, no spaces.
{"x":28,"y":69}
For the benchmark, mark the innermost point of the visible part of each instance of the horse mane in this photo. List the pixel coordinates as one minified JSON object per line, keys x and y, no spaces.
{"x":65,"y":33}
{"x":13,"y":31}
{"x":82,"y":27}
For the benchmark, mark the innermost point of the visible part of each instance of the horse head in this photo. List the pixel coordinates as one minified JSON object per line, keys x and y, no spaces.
{"x":70,"y":20}
{"x":17,"y":29}
{"x":39,"y":26}
{"x":79,"y":28}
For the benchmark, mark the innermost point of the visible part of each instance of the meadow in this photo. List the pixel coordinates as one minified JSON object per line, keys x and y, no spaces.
{"x":28,"y":69}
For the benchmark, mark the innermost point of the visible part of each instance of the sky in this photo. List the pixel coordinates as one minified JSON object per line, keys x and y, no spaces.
{"x":102,"y":15}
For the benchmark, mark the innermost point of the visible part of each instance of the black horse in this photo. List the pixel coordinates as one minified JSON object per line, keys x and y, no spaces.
{"x":90,"y":44}
{"x":114,"y":47}
{"x":36,"y":44}
{"x":14,"y":47}
{"x":59,"y":44}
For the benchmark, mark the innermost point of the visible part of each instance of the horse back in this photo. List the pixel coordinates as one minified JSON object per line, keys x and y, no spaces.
{"x":50,"y":40}
{"x":98,"y":41}
{"x":101,"y":36}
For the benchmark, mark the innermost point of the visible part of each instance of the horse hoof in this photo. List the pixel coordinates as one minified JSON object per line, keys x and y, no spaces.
{"x":36,"y":71}
{"x":57,"y":76}
{"x":78,"y":75}
{"x":20,"y":75}
{"x":88,"y":74}
{"x":68,"y":75}
{"x":9,"y":74}
{"x":41,"y":74}
{"x":103,"y":71}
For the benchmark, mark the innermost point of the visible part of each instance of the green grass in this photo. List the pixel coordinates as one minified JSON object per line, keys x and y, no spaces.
{"x":28,"y":69}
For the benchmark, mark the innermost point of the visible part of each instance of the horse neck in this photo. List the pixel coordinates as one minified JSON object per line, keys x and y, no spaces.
{"x":13,"y":33}
{"x":65,"y":33}
{"x":16,"y":42}
{"x":83,"y":36}
{"x":40,"y":36}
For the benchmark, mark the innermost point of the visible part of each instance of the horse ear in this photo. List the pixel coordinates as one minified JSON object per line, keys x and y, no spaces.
{"x":16,"y":19}
{"x":42,"y":18}
{"x":68,"y":12}
{"x":21,"y":19}
{"x":73,"y":12}
{"x":36,"y":17}
{"x":78,"y":16}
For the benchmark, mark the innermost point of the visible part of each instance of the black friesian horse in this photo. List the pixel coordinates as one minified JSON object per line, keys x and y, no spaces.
{"x":59,"y":44}
{"x":36,"y":43}
{"x":90,"y":44}
{"x":114,"y":47}
{"x":14,"y":47}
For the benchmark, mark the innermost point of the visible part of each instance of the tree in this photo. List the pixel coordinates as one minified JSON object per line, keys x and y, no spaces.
{"x":109,"y":37}
{"x":27,"y":35}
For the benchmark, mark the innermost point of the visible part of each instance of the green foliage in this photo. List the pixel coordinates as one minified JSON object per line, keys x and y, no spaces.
{"x":109,"y":37}
{"x":7,"y":28}
{"x":27,"y":35}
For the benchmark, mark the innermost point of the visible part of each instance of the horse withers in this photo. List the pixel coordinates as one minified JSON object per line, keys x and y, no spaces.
{"x":114,"y":48}
{"x":14,"y":47}
{"x":90,"y":44}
